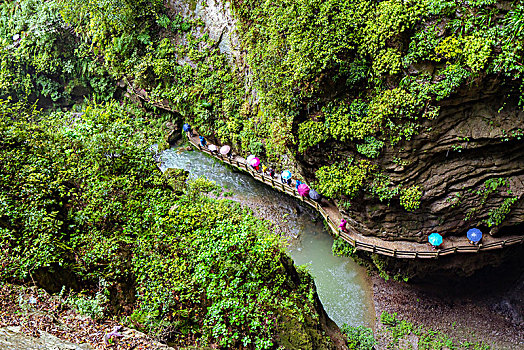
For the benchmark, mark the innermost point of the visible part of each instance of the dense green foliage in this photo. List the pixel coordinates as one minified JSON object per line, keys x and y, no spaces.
{"x":158,"y":52}
{"x":428,"y":339}
{"x":81,"y":196}
{"x":358,"y":74}
{"x":358,"y":338}
{"x":41,"y":57}
{"x":364,"y":76}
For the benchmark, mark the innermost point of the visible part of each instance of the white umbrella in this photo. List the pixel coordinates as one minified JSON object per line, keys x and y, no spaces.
{"x":250,"y":158}
{"x":212,"y":148}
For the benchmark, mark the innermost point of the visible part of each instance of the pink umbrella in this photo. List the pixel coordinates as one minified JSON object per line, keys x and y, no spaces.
{"x":303,"y":190}
{"x":255,"y":161}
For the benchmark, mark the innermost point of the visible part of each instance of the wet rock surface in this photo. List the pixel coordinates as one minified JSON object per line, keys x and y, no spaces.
{"x":478,"y":136}
{"x":30,"y":318}
{"x":13,"y":338}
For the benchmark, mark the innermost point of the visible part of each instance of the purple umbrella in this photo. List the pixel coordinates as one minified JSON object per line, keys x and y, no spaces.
{"x":303,"y":190}
{"x":255,"y":161}
{"x":314,"y":195}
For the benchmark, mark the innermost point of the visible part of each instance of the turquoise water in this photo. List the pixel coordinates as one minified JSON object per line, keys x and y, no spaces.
{"x":343,"y":286}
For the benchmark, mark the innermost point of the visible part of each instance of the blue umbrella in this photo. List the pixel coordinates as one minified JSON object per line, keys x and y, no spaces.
{"x":186,"y":127}
{"x":286,"y":174}
{"x":474,"y":234}
{"x":435,"y":239}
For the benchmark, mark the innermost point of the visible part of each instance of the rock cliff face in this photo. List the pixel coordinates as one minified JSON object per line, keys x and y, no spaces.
{"x":218,"y":22}
{"x":468,"y":161}
{"x":476,"y":137}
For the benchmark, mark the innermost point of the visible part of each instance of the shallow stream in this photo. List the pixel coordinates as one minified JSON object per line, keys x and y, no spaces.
{"x":342,"y":285}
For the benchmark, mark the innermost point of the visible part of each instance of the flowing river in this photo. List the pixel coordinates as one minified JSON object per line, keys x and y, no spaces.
{"x":342,"y":285}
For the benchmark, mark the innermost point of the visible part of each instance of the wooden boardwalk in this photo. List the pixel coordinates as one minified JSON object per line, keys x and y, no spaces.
{"x":331,"y":214}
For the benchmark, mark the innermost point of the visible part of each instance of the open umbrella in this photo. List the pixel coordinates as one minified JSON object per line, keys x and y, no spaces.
{"x":435,"y":239}
{"x":286,"y":174}
{"x":225,"y":150}
{"x":212,"y":148}
{"x":474,"y":235}
{"x":314,"y":194}
{"x":250,"y":158}
{"x":255,"y":161}
{"x":186,"y":127}
{"x":303,"y":190}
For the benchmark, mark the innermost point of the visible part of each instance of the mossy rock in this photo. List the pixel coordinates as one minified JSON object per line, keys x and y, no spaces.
{"x":176,"y":178}
{"x":303,"y":335}
{"x":173,"y":137}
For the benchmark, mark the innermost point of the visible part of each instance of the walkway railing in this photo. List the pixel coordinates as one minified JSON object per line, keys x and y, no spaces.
{"x":358,"y":241}
{"x":396,"y":249}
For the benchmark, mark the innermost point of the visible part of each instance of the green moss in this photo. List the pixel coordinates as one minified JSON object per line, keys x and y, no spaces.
{"x":410,"y":197}
{"x":176,"y":178}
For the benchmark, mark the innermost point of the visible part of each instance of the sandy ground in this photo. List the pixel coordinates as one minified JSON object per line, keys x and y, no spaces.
{"x":495,"y":318}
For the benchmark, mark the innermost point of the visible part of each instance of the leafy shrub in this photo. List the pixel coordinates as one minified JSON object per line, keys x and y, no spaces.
{"x":497,"y":215}
{"x":91,"y":306}
{"x":342,"y":248}
{"x":477,"y":50}
{"x":371,"y":148}
{"x":311,"y":133}
{"x":410,"y":197}
{"x":382,"y":188}
{"x":342,"y":179}
{"x":358,"y":338}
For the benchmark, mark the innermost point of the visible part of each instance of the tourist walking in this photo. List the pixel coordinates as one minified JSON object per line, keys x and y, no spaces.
{"x":188,"y":130}
{"x":342,"y":226}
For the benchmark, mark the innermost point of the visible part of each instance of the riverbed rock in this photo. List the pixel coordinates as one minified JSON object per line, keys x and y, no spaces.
{"x":13,"y":338}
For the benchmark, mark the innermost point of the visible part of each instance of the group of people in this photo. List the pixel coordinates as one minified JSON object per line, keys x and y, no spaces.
{"x":474,"y":236}
{"x":285,"y":176}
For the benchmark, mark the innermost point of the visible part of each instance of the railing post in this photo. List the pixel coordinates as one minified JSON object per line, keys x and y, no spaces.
{"x":395,"y":253}
{"x":416,"y":254}
{"x":272,"y":182}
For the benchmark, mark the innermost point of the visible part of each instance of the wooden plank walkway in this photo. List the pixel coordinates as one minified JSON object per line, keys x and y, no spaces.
{"x":331,"y":214}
